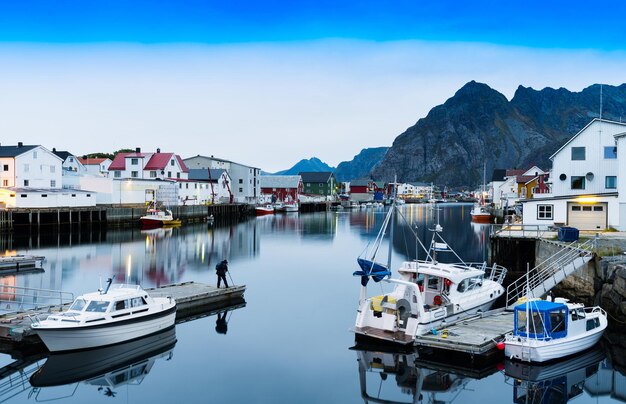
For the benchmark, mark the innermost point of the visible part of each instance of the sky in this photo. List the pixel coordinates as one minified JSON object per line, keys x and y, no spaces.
{"x":269,"y":83}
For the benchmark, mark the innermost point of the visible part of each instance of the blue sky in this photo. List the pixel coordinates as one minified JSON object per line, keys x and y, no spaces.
{"x":243,"y":80}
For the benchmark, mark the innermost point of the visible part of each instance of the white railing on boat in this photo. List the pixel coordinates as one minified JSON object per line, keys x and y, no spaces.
{"x":14,"y":299}
{"x":540,"y":279}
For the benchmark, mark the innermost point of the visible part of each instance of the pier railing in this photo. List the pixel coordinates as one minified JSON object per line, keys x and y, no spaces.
{"x":518,"y":230}
{"x":15,"y":299}
{"x":540,"y":279}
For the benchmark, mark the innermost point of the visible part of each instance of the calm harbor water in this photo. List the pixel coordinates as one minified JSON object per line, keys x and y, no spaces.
{"x":290,"y":342}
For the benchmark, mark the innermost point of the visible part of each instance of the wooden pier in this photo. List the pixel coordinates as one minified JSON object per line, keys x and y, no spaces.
{"x":475,"y":335}
{"x":191,"y":299}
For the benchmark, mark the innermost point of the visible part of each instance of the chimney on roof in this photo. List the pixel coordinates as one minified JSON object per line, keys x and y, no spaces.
{"x":20,"y":144}
{"x":54,"y":149}
{"x":137,"y":149}
{"x":158,"y":150}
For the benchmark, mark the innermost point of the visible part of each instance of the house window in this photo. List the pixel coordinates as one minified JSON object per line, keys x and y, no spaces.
{"x":88,"y":195}
{"x":152,"y":174}
{"x":117,"y":174}
{"x":610,"y":152}
{"x":26,"y":168}
{"x":52,"y":169}
{"x":134,"y":174}
{"x":187,"y":186}
{"x":578,"y":153}
{"x":71,"y":159}
{"x":240,"y":189}
{"x":73,"y":195}
{"x":169,"y":174}
{"x":44,"y":195}
{"x":53,"y":183}
{"x":134,"y":161}
{"x":180,"y":185}
{"x":610,"y":182}
{"x":23,"y":196}
{"x":544,"y":212}
{"x":5,"y":167}
{"x":34,"y":154}
{"x":578,"y":182}
{"x":241,"y":180}
{"x":5,"y":183}
{"x":177,"y":175}
{"x":26,"y":183}
{"x":172,"y":163}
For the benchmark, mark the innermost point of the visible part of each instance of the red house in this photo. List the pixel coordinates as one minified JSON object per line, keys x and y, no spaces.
{"x":282,"y":187}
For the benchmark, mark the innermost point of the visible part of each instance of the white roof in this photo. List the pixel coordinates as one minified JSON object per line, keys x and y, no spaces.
{"x":279,"y":181}
{"x":116,"y":292}
{"x":455,"y":272}
{"x":582,"y":130}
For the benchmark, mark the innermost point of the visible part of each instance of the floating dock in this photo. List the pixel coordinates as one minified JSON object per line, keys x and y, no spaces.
{"x":191,"y":299}
{"x":475,"y":335}
{"x":20,"y":263}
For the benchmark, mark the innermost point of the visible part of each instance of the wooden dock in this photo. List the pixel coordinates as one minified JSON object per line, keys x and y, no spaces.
{"x":475,"y":335}
{"x":20,"y":263}
{"x":191,"y":298}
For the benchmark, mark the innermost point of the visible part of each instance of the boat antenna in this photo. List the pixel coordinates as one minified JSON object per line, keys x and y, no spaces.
{"x":109,"y":282}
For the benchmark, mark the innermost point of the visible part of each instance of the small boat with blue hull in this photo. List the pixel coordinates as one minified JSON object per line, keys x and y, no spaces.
{"x":546,"y":330}
{"x":117,"y":314}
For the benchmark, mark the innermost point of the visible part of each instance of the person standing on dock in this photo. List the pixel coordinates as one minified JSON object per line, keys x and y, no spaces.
{"x":221,"y":270}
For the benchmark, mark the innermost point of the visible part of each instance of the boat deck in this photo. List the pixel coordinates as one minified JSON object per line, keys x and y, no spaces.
{"x":475,"y":335}
{"x":191,"y":298}
{"x":395,"y":337}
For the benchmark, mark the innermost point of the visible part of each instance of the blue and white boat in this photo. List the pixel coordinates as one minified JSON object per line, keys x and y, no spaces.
{"x":545,"y":330}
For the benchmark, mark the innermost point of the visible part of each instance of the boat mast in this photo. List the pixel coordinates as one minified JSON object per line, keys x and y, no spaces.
{"x":393,"y":207}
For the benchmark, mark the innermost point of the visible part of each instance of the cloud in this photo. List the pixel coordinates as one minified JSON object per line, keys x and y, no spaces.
{"x":263,"y":104}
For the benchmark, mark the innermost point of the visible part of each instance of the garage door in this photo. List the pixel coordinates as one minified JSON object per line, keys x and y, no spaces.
{"x":587,"y":217}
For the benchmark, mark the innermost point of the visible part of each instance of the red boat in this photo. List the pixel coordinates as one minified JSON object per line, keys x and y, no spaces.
{"x":264,"y":210}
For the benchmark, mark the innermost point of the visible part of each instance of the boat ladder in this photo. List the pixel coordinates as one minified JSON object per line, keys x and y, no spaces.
{"x":540,"y":279}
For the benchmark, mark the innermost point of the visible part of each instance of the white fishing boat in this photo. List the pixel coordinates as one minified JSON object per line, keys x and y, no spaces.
{"x":426,"y":295}
{"x":110,"y":316}
{"x":290,"y":207}
{"x":545,"y":330}
{"x":262,"y":210}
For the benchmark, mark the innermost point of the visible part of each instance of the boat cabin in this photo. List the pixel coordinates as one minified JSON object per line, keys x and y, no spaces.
{"x":541,"y":319}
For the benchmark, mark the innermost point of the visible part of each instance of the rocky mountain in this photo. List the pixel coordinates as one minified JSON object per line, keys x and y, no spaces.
{"x":361,"y":165}
{"x":478,"y":124}
{"x":313,"y":164}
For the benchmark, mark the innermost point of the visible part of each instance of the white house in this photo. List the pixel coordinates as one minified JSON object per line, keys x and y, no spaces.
{"x":245,"y":182}
{"x":71,"y":164}
{"x":585,"y":173}
{"x":208,"y":186}
{"x":31,"y":177}
{"x":96,"y":166}
{"x":151,"y":166}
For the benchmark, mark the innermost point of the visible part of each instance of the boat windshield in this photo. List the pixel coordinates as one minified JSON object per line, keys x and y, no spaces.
{"x":97,"y":307}
{"x":78,"y":305}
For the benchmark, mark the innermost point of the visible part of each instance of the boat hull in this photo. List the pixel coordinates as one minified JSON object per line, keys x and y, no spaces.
{"x":481,"y":218}
{"x":150,"y":223}
{"x":99,"y":335}
{"x":72,"y":367}
{"x":264,"y":211}
{"x":543,"y":351}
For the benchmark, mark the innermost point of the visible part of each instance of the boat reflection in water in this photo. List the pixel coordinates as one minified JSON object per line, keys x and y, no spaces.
{"x":422,"y":380}
{"x":553,"y":382}
{"x":107,"y":367}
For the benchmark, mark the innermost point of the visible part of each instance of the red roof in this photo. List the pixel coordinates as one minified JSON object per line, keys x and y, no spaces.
{"x":157,"y":161}
{"x":92,"y":161}
{"x":119,"y":162}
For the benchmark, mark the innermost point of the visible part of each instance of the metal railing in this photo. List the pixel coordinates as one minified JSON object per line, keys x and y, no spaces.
{"x":518,"y":230}
{"x":495,"y":273}
{"x":554,"y":269}
{"x":15,"y":299}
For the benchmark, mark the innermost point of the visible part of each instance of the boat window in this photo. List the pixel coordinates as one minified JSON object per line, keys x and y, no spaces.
{"x":581,"y":313}
{"x":97,"y":307}
{"x":590,"y":324}
{"x":78,"y":305}
{"x":475,"y":282}
{"x":433,"y":283}
{"x":557,"y":320}
{"x":122,"y":304}
{"x":462,"y":285}
{"x":137,"y":302}
{"x":535,"y":323}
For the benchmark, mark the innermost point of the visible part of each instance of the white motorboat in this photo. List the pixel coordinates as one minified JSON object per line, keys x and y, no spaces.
{"x":290,"y":207}
{"x":427,"y":293}
{"x":117,"y":314}
{"x":158,"y":218}
{"x":545,"y":330}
